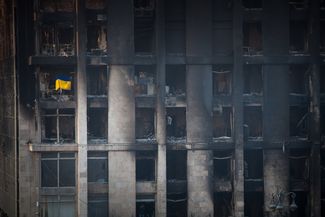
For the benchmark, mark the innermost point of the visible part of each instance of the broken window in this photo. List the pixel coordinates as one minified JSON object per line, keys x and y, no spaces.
{"x":298,"y":75}
{"x":144,"y":80}
{"x":298,"y":4}
{"x":222,"y":164}
{"x":57,"y":39}
{"x":97,"y":167}
{"x":144,"y":26}
{"x":298,"y":37}
{"x":223,"y":205}
{"x":58,"y":169}
{"x":57,"y":205}
{"x":51,"y":6}
{"x":253,"y":164}
{"x":175,"y":80}
{"x":253,"y":121}
{"x":175,"y":26}
{"x":222,"y":122}
{"x":252,"y":4}
{"x":98,"y":205}
{"x":302,"y":202}
{"x":299,"y":120}
{"x":95,"y":4}
{"x":58,"y":125}
{"x":145,"y":206}
{"x":252,"y":38}
{"x":97,"y":81}
{"x":176,"y":165}
{"x":299,"y":168}
{"x":222,"y":79}
{"x":253,"y":79}
{"x":97,"y":39}
{"x":97,"y":119}
{"x":176,"y":123}
{"x":145,"y":123}
{"x":145,"y":166}
{"x":254,"y":203}
{"x":47,"y":84}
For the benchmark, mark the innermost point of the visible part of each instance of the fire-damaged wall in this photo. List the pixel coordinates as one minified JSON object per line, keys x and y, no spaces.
{"x":8,"y":112}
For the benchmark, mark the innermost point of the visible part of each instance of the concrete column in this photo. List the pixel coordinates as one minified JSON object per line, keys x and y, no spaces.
{"x":276,"y":179}
{"x":81,"y":111}
{"x":161,"y":200}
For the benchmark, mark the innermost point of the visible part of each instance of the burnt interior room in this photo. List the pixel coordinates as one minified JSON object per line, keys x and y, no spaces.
{"x":175,"y":80}
{"x":253,"y":79}
{"x":252,"y":38}
{"x":97,"y":125}
{"x":299,"y":76}
{"x":222,"y":164}
{"x":145,"y":80}
{"x":223,"y":204}
{"x":222,"y":79}
{"x":299,"y":169}
{"x":222,"y":122}
{"x":97,"y":167}
{"x":58,"y":125}
{"x":176,"y":122}
{"x":145,"y":206}
{"x":253,"y":122}
{"x":97,"y":81}
{"x":144,"y":28}
{"x":176,"y":166}
{"x":175,"y":27}
{"x":145,"y":166}
{"x":303,"y":204}
{"x":145,"y":123}
{"x":253,"y":164}
{"x":298,"y":36}
{"x":254,"y":203}
{"x":299,"y":121}
{"x":47,"y":77}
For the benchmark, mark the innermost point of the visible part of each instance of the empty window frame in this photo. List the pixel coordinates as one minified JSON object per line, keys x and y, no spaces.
{"x":222,"y":79}
{"x":298,"y":37}
{"x":299,"y":164}
{"x":254,"y":203}
{"x":298,"y":4}
{"x":57,"y":39}
{"x":145,"y":166}
{"x":145,"y":80}
{"x":322,"y":122}
{"x":252,"y":4}
{"x":299,"y":121}
{"x":253,"y":121}
{"x":97,"y":167}
{"x":97,"y":81}
{"x":47,"y":84}
{"x":223,"y":205}
{"x":98,"y":205}
{"x":97,"y":119}
{"x":252,"y":38}
{"x":176,"y":165}
{"x":322,"y":35}
{"x":95,"y":4}
{"x":57,"y":205}
{"x":58,"y":125}
{"x":58,"y":169}
{"x":97,"y":38}
{"x":253,"y":79}
{"x":222,"y":164}
{"x":322,"y":4}
{"x":51,"y":6}
{"x":222,"y":122}
{"x":145,"y":123}
{"x":177,"y":205}
{"x":175,"y":80}
{"x":303,"y":204}
{"x":145,"y":206}
{"x":253,"y":164}
{"x":298,"y":75}
{"x":144,"y":5}
{"x":322,"y":79}
{"x":176,"y":123}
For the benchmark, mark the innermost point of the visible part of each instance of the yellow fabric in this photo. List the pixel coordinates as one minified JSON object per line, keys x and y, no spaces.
{"x":63,"y":85}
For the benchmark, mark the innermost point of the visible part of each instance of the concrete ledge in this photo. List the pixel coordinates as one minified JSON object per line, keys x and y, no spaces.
{"x":53,"y":147}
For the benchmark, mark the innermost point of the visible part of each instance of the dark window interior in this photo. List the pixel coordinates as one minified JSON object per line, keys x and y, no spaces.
{"x":97,"y":39}
{"x":144,"y":80}
{"x":252,"y":38}
{"x":222,"y":165}
{"x":253,"y":164}
{"x":299,"y":164}
{"x":145,"y":123}
{"x":222,"y":122}
{"x":298,"y":4}
{"x":298,"y":75}
{"x":302,"y":203}
{"x":97,"y":124}
{"x":299,"y":118}
{"x":222,"y":79}
{"x":254,"y":202}
{"x":176,"y":122}
{"x":298,"y":36}
{"x":175,"y":80}
{"x":145,"y":166}
{"x":95,"y":4}
{"x":253,"y":121}
{"x":322,"y":79}
{"x":97,"y":81}
{"x":98,"y":205}
{"x":252,"y":4}
{"x":322,"y":35}
{"x":145,"y":208}
{"x":176,"y":165}
{"x":223,"y":204}
{"x":51,"y":6}
{"x":177,"y":205}
{"x":253,"y":79}
{"x":97,"y":167}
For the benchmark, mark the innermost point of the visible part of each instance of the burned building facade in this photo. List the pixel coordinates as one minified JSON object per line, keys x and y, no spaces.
{"x":173,"y":108}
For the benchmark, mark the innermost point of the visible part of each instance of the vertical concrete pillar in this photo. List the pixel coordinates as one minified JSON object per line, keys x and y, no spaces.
{"x":237,"y":98}
{"x":81,"y":111}
{"x":161,"y":200}
{"x":199,"y":108}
